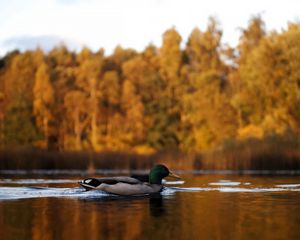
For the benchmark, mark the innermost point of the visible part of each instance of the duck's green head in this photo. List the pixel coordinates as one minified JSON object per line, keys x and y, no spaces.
{"x":158,"y":172}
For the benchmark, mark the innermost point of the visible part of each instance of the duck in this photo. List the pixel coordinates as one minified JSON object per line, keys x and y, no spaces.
{"x":130,"y":186}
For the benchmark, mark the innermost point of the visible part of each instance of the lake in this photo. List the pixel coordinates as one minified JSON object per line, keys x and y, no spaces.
{"x":205,"y":205}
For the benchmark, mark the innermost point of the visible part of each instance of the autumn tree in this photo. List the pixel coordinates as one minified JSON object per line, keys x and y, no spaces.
{"x":1,"y":118}
{"x":134,"y":125}
{"x":270,"y":80}
{"x":109,"y":97}
{"x":87,"y":79}
{"x":62,"y":69}
{"x":203,"y":48}
{"x":250,"y":38}
{"x":243,"y":95}
{"x":2,"y":108}
{"x":19,"y":127}
{"x":145,"y":86}
{"x":168,"y":120}
{"x":77,"y":109}
{"x":204,"y":122}
{"x":117,"y":58}
{"x":43,"y":100}
{"x":190,"y":98}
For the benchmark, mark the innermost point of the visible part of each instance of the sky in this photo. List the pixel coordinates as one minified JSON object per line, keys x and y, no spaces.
{"x":130,"y":23}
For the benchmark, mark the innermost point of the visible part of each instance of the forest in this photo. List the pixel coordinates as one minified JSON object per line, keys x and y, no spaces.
{"x":195,"y":96}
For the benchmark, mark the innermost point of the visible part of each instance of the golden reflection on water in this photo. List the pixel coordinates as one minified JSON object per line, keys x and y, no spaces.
{"x":184,"y":215}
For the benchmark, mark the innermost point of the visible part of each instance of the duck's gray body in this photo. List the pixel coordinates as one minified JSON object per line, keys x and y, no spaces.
{"x":121,"y":186}
{"x":130,"y":185}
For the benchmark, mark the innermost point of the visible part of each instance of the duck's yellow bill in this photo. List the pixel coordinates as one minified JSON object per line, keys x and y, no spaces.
{"x":173,"y":175}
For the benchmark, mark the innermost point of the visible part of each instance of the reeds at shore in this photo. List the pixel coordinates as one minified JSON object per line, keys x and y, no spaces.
{"x":272,"y":153}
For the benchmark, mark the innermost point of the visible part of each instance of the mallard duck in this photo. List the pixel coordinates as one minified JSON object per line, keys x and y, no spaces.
{"x":129,"y":185}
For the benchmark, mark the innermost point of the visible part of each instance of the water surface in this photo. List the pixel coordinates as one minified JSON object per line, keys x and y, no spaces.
{"x":203,"y":206}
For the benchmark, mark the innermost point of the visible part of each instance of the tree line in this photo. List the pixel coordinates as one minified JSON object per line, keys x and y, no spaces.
{"x":191,"y":98}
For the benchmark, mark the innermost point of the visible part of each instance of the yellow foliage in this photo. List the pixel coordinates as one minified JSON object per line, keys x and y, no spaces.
{"x":250,"y":131}
{"x":143,"y":149}
{"x":192,"y":98}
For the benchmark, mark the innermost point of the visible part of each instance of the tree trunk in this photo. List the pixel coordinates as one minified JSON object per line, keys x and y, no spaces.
{"x":46,"y":132}
{"x":94,"y":115}
{"x":77,"y":129}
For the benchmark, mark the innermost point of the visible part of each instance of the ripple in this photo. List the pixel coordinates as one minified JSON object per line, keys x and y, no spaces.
{"x":225,"y":183}
{"x":35,"y":181}
{"x":14,"y":193}
{"x":294,"y":185}
{"x":173,"y":190}
{"x":11,"y":193}
{"x":173,"y":182}
{"x":252,"y":190}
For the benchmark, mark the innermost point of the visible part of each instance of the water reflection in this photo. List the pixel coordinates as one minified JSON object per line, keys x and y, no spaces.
{"x":156,"y":205}
{"x":171,"y":215}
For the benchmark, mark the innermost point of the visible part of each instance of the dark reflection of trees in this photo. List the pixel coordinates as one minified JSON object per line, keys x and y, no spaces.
{"x":156,"y":205}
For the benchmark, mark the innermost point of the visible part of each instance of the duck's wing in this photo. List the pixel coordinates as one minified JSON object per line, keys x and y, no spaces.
{"x":141,"y":177}
{"x":94,"y":183}
{"x":128,"y":180}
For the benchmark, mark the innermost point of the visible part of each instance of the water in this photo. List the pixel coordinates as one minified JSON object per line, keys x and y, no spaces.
{"x":203,"y":206}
